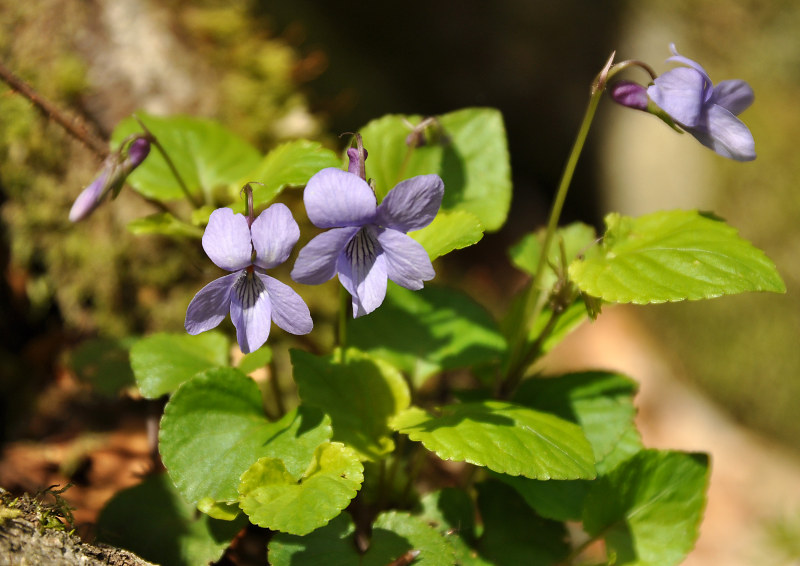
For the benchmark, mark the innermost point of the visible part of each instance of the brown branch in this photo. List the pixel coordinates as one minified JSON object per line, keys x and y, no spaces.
{"x":73,"y":126}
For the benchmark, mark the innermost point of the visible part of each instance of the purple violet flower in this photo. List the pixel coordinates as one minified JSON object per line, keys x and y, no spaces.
{"x":252,"y":297}
{"x":367,"y":243}
{"x":112,"y":176}
{"x":707,"y":112}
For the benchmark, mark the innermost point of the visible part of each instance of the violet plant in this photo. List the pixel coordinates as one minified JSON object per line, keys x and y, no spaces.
{"x":349,"y":469}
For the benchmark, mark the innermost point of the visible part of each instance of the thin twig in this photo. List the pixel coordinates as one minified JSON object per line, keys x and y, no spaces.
{"x":74,"y":126}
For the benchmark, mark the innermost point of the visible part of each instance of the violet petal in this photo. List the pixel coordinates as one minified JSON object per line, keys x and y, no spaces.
{"x":735,"y":96}
{"x":680,"y":93}
{"x":274,"y":234}
{"x":407,"y":262}
{"x":412,"y":204}
{"x":289,"y":311}
{"x":251,"y":311}
{"x":210,"y":305}
{"x":336,"y":198}
{"x":316,"y":262}
{"x":227,"y":240}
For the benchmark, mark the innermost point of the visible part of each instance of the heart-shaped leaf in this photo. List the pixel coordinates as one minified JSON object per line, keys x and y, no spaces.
{"x":274,"y":499}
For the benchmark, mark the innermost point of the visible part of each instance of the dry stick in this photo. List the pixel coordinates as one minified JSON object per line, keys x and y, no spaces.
{"x":73,"y":126}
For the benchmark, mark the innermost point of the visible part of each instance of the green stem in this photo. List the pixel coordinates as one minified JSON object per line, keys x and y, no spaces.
{"x":536,"y":297}
{"x":345,"y":306}
{"x":277,"y":392}
{"x":154,"y":140}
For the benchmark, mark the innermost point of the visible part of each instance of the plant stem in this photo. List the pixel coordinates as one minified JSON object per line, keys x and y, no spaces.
{"x":154,"y":140}
{"x":277,"y":392}
{"x":535,"y":297}
{"x":75,"y":127}
{"x":344,"y":308}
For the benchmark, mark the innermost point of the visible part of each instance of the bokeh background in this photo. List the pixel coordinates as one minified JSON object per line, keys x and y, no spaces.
{"x":283,"y":69}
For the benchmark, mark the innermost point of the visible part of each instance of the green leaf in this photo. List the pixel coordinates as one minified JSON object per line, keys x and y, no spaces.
{"x":513,"y":534}
{"x":673,"y":256}
{"x":214,"y":428}
{"x":359,"y":392}
{"x":206,"y":154}
{"x":575,"y":240}
{"x":255,"y":360}
{"x":450,"y":230}
{"x":428,"y":331}
{"x":105,"y":363}
{"x":332,"y":545}
{"x":649,"y":508}
{"x":601,"y":402}
{"x":395,"y":533}
{"x":472,"y":159}
{"x":451,"y":512}
{"x":291,"y":164}
{"x":274,"y":499}
{"x":504,"y":437}
{"x":161,"y":362}
{"x":152,"y":520}
{"x":165,"y":224}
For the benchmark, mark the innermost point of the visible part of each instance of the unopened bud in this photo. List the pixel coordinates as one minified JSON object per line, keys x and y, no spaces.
{"x":629,"y":94}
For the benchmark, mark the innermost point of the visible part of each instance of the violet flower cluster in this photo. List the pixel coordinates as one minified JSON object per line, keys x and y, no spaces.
{"x":689,"y":98}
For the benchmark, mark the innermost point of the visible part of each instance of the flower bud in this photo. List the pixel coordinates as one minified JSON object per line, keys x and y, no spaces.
{"x":629,"y":94}
{"x":357,"y":165}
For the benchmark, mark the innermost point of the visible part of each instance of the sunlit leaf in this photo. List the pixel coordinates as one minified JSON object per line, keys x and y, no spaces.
{"x":673,"y":256}
{"x":274,"y":499}
{"x":504,"y":437}
{"x":450,"y":230}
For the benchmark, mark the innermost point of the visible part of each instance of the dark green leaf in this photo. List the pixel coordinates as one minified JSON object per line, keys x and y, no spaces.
{"x":161,"y":362}
{"x":394,"y":533}
{"x":105,"y":363}
{"x":359,"y":392}
{"x":152,"y":520}
{"x":428,"y":331}
{"x":331,"y":545}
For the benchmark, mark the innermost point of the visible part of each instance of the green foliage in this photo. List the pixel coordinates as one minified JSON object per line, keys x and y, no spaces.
{"x":218,"y":417}
{"x":332,"y":544}
{"x":504,"y":437}
{"x":165,"y":224}
{"x":276,"y":499}
{"x":207,"y":156}
{"x":428,"y":331}
{"x":468,"y":150}
{"x":161,"y":362}
{"x":105,"y":363}
{"x":359,"y":392}
{"x":648,"y":509}
{"x":153,"y":520}
{"x":450,"y":230}
{"x":672,"y":256}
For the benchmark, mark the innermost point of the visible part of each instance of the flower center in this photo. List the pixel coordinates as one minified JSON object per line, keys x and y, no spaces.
{"x":360,"y":250}
{"x":248,"y":288}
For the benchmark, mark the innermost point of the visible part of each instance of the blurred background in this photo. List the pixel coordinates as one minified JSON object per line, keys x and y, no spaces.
{"x":277,"y":70}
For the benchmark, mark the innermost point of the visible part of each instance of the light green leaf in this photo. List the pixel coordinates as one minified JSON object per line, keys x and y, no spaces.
{"x":395,"y":533}
{"x":673,"y":256}
{"x":165,"y":224}
{"x":471,"y":158}
{"x":332,"y":545}
{"x":513,"y":534}
{"x":206,"y":154}
{"x":359,"y":392}
{"x":504,"y":437}
{"x":161,"y":362}
{"x":255,"y":360}
{"x":291,"y":164}
{"x":274,"y":499}
{"x":450,"y":230}
{"x":649,"y":508}
{"x":152,"y":520}
{"x":601,"y":402}
{"x":428,"y":331}
{"x":214,"y":428}
{"x":575,"y":240}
